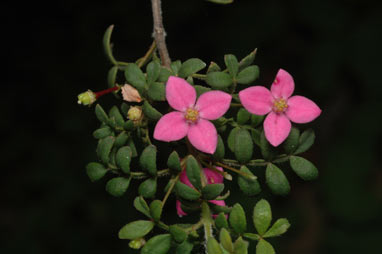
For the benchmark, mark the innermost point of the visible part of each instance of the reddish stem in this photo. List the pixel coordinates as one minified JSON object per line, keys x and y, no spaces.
{"x":106,"y":91}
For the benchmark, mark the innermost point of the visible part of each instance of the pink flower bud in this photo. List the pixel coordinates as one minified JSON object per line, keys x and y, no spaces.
{"x":130,"y":94}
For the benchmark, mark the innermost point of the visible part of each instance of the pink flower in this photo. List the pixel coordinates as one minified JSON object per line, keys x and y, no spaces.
{"x":281,"y":107}
{"x":191,"y":119}
{"x":211,"y":176}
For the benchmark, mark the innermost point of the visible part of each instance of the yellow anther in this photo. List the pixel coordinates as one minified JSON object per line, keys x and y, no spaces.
{"x":280,"y":105}
{"x":192,"y":115}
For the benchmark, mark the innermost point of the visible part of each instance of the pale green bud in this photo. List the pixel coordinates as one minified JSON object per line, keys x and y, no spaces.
{"x":87,"y":98}
{"x":137,"y":243}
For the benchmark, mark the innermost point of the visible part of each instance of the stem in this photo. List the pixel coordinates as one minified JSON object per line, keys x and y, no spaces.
{"x":106,"y":91}
{"x":207,"y":221}
{"x":159,"y":33}
{"x":170,"y":190}
{"x":149,"y":52}
{"x":236,"y":171}
{"x":140,"y":175}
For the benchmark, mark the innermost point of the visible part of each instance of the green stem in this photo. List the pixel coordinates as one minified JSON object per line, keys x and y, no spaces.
{"x":206,"y":220}
{"x":148,"y":54}
{"x":170,"y":190}
{"x":199,"y":76}
{"x":251,"y":177}
{"x":140,"y":175}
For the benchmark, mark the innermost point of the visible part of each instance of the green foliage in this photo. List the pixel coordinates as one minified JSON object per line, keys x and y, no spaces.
{"x":237,"y":219}
{"x":219,"y":80}
{"x":243,"y":147}
{"x":173,"y":162}
{"x":212,"y":191}
{"x":190,"y":67}
{"x":186,"y":192}
{"x":276,"y":180}
{"x":135,"y":77}
{"x":248,"y":186}
{"x":117,"y":186}
{"x":95,"y":171}
{"x":159,"y":244}
{"x":148,"y":160}
{"x":148,"y":188}
{"x":262,"y":216}
{"x":232,"y":64}
{"x":136,"y":229}
{"x":193,"y":171}
{"x":303,"y":168}
{"x":177,"y":233}
{"x":156,"y":209}
{"x":213,"y":246}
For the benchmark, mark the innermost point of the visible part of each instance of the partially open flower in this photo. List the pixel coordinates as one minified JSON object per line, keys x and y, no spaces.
{"x":130,"y":94}
{"x":212,"y":178}
{"x":87,"y":98}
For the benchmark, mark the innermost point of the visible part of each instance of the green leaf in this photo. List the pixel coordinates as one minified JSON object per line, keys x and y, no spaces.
{"x":220,"y":1}
{"x":107,"y":44}
{"x":249,"y":187}
{"x":150,"y":112}
{"x":148,"y":188}
{"x":124,"y":109}
{"x":123,"y":158}
{"x":186,"y":192}
{"x":148,"y":159}
{"x":201,"y":90}
{"x":153,"y":71}
{"x":220,"y":149}
{"x":121,"y":139}
{"x":221,"y":221}
{"x":237,"y":219}
{"x":157,"y":91}
{"x":219,"y":80}
{"x":184,"y":248}
{"x":256,"y":120}
{"x":291,"y":143}
{"x":242,"y":116}
{"x":256,"y":134}
{"x":190,"y":80}
{"x":141,"y":205}
{"x":164,"y":74}
{"x":248,"y":60}
{"x":306,"y":141}
{"x":276,"y":180}
{"x":159,"y":244}
{"x":177,"y":233}
{"x":129,"y":125}
{"x":101,"y":114}
{"x":190,"y":67}
{"x":303,"y":168}
{"x":243,"y":146}
{"x":95,"y":171}
{"x":232,"y":64}
{"x":193,"y":171}
{"x":117,"y":186}
{"x":175,"y":66}
{"x":262,"y":216}
{"x":267,"y":150}
{"x":263,"y":247}
{"x":226,"y":240}
{"x":251,"y":236}
{"x":156,"y":209}
{"x":211,"y":191}
{"x":111,"y":76}
{"x":248,"y":75}
{"x":213,"y":67}
{"x":135,"y":77}
{"x":278,"y":228}
{"x":102,"y":132}
{"x":213,"y":246}
{"x":231,"y":138}
{"x":241,"y":246}
{"x":130,"y":143}
{"x":114,"y":113}
{"x":104,"y":148}
{"x":173,"y":162}
{"x":135,"y":229}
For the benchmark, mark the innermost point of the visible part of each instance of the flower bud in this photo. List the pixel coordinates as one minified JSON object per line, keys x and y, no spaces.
{"x":87,"y":98}
{"x":135,"y":113}
{"x":130,"y":94}
{"x":137,"y":243}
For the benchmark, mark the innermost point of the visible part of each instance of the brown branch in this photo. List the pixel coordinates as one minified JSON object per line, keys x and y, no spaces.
{"x":159,"y":33}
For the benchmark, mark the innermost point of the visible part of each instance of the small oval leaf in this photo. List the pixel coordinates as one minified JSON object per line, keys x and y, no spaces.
{"x":135,"y":229}
{"x":276,"y":180}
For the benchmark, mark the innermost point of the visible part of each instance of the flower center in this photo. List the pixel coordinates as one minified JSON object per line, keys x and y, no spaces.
{"x":192,"y":115}
{"x":280,"y":105}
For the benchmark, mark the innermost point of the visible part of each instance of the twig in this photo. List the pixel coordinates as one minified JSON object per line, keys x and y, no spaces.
{"x":159,"y":33}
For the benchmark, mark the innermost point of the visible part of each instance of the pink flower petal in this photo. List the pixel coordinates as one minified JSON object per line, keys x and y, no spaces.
{"x":184,"y":179}
{"x":179,"y":209}
{"x":302,"y":110}
{"x":203,"y":136}
{"x":283,"y":86}
{"x":257,"y":100}
{"x":179,"y":94}
{"x":212,"y":105}
{"x":212,"y":176}
{"x":171,"y":127}
{"x":276,"y":128}
{"x":217,"y":202}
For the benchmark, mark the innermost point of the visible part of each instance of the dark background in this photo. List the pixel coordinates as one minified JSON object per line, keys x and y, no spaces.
{"x":53,"y":51}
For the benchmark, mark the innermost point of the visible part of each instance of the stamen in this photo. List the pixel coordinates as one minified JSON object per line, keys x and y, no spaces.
{"x":192,"y":115}
{"x":280,"y":105}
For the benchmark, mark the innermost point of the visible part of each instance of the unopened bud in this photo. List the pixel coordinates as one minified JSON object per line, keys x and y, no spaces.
{"x":137,"y":243}
{"x":135,"y":113}
{"x":130,"y":94}
{"x":86,"y":98}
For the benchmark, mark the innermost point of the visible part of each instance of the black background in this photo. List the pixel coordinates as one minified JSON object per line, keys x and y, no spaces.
{"x":53,"y":51}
